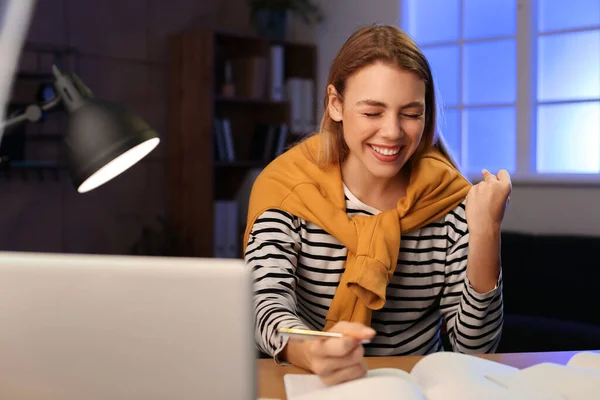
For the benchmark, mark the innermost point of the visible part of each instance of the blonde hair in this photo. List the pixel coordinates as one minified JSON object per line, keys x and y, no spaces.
{"x":367,"y":45}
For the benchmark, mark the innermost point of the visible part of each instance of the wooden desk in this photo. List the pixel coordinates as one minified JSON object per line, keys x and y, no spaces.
{"x":270,"y":375}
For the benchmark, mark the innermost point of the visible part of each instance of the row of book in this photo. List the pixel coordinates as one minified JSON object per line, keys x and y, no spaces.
{"x":230,"y":218}
{"x":300,"y":95}
{"x":268,"y":141}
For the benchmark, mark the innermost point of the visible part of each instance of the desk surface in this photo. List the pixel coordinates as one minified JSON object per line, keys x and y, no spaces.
{"x":270,"y":375}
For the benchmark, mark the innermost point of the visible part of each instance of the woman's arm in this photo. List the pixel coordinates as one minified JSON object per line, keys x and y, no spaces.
{"x":483,"y":264}
{"x":485,"y":208}
{"x":272,"y":254}
{"x":473,"y":317}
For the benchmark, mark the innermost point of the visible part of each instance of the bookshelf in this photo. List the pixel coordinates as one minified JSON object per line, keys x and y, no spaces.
{"x":265,"y":91}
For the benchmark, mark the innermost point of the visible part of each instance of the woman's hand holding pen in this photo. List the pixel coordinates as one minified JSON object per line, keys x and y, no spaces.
{"x":335,"y":360}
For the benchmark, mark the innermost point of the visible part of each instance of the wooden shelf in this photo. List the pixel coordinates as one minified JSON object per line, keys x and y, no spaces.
{"x":195,"y":179}
{"x":250,"y":101}
{"x":248,"y":164}
{"x":234,"y":37}
{"x":27,"y":169}
{"x":31,"y":164}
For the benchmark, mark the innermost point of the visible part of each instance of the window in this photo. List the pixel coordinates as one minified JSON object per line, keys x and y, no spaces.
{"x":518,"y":81}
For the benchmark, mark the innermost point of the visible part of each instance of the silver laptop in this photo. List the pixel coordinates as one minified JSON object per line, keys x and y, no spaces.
{"x":125,"y":327}
{"x":15,"y":17}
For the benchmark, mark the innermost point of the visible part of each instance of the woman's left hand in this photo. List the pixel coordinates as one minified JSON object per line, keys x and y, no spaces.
{"x":486,"y":202}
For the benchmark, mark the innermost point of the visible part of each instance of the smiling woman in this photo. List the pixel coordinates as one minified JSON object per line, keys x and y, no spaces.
{"x":368,"y":228}
{"x":382,"y":130}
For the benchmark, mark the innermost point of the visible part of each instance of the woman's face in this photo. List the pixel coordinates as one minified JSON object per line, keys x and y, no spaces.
{"x":383,"y":116}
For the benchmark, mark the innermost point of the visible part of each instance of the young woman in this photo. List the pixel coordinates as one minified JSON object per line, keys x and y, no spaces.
{"x":368,"y":228}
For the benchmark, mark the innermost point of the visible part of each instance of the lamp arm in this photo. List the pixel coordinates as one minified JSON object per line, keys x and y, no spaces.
{"x":70,"y":90}
{"x":32,"y":113}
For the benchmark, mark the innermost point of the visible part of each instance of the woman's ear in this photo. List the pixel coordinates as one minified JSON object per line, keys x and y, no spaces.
{"x":334,"y":104}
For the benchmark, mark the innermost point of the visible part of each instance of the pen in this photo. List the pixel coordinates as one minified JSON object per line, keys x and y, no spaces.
{"x":310,"y":334}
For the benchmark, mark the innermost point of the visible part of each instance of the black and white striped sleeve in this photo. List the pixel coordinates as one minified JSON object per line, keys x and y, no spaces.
{"x":272,"y":254}
{"x":473,"y":320}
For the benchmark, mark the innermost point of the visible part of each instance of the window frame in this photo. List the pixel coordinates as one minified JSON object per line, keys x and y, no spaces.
{"x":526,"y":105}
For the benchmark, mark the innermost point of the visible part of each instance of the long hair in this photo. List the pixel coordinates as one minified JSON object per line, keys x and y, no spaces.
{"x":367,"y":45}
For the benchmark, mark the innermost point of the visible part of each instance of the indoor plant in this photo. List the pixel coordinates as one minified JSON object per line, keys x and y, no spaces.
{"x":270,"y":17}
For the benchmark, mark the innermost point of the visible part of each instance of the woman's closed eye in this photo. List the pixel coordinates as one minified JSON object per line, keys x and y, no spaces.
{"x":378,"y":114}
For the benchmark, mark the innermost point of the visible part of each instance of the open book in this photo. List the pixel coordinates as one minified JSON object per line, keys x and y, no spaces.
{"x":450,"y":376}
{"x":579,"y":379}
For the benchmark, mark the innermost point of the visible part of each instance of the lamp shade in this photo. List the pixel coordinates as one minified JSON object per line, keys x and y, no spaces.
{"x":104,"y":140}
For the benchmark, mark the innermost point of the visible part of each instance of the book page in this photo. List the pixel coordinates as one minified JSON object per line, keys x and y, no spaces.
{"x":562,"y":381}
{"x":490,"y":391}
{"x":383,"y":387}
{"x":585,"y":360}
{"x":444,"y":368}
{"x":449,"y":376}
{"x":297,"y":385}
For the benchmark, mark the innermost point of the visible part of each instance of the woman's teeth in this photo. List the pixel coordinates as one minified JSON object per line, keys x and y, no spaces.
{"x":386,"y":151}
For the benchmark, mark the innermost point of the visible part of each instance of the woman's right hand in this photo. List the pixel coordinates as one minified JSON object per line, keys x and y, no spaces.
{"x":334,"y":360}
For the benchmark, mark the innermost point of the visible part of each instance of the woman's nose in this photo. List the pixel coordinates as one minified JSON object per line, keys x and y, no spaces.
{"x":393,"y":129}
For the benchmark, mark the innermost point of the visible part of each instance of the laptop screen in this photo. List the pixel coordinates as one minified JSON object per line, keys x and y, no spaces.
{"x":15,"y":16}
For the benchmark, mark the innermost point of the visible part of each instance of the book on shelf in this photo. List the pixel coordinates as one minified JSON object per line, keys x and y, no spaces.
{"x":300,"y":95}
{"x":223,"y":140}
{"x":269,"y":141}
{"x":453,"y":376}
{"x":276,"y":72}
{"x":226,"y":229}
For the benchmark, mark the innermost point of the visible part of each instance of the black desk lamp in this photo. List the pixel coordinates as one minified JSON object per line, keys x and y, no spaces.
{"x":103,"y":139}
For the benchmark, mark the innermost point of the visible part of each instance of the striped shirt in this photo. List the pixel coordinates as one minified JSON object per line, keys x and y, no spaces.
{"x":296,"y":268}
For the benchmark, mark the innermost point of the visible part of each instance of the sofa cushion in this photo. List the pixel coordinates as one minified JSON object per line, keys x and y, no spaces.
{"x":552,"y":276}
{"x":531,"y":333}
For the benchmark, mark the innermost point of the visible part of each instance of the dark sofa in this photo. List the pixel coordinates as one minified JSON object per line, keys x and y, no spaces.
{"x":551,"y":292}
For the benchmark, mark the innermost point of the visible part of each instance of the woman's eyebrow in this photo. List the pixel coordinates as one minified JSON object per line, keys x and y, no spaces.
{"x":369,"y":102}
{"x":414,"y":104}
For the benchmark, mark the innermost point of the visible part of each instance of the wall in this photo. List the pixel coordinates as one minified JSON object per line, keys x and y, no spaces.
{"x":125,"y":63}
{"x":533,"y":208}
